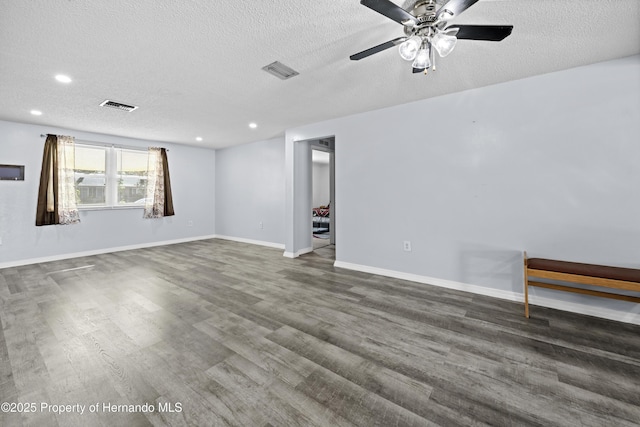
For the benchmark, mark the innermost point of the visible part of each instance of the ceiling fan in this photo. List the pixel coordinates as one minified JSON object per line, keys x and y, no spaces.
{"x":426,"y":30}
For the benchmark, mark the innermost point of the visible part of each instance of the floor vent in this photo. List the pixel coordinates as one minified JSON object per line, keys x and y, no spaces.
{"x":118,"y":106}
{"x":280,"y":70}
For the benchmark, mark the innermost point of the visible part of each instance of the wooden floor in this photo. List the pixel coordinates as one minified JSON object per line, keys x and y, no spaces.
{"x":216,"y":333}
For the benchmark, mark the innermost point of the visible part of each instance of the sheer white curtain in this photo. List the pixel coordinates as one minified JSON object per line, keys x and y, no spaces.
{"x":67,"y":208}
{"x":154,"y":201}
{"x":159,"y":200}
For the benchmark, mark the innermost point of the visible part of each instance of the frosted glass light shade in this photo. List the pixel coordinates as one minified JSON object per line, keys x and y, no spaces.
{"x":409,"y":48}
{"x":444,"y":43}
{"x":422,"y":59}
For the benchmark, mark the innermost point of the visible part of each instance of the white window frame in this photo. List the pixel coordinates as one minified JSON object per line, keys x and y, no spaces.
{"x":111,"y":176}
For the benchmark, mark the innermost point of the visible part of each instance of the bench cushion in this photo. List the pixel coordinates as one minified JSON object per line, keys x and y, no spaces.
{"x":605,"y":272}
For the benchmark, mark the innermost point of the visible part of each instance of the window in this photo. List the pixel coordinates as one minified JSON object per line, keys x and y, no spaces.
{"x":110,"y":176}
{"x":90,"y":175}
{"x":131,"y":170}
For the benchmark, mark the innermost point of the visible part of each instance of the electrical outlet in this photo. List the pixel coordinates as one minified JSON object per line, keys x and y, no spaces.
{"x":189,"y":223}
{"x":261,"y":225}
{"x":406,"y":245}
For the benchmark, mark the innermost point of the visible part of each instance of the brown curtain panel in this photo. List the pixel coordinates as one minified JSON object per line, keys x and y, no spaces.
{"x":47,"y":209}
{"x":168,"y":198}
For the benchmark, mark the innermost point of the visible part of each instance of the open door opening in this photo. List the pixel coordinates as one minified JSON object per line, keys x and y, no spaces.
{"x":299,"y":202}
{"x":323,"y":198}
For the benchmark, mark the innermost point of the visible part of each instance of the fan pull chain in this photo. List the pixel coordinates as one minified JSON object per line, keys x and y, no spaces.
{"x":433,"y":60}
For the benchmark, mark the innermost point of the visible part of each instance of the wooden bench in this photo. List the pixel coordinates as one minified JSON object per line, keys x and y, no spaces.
{"x":627,"y":279}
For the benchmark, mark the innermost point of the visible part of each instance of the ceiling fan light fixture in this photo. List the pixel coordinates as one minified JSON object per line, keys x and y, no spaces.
{"x":422,"y":60}
{"x":426,"y":31}
{"x":409,"y":48}
{"x":444,"y":43}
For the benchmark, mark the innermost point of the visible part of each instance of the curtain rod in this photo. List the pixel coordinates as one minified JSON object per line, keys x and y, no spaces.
{"x":103,"y":144}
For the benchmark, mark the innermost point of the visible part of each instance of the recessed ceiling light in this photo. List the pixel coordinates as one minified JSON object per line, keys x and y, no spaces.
{"x":36,"y":112}
{"x":63,"y":79}
{"x":253,"y":125}
{"x":198,"y":138}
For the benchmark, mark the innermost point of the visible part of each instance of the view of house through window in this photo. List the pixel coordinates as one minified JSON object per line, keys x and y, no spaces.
{"x":132,"y":176}
{"x":90,"y":175}
{"x":110,"y":176}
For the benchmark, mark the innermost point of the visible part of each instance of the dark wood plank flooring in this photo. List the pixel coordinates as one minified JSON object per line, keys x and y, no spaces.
{"x":230,"y":334}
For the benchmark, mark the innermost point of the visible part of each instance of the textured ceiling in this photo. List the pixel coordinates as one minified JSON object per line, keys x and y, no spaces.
{"x":194,"y":66}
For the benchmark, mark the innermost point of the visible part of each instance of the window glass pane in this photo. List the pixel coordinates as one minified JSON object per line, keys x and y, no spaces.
{"x":90,"y":175}
{"x":132,"y":176}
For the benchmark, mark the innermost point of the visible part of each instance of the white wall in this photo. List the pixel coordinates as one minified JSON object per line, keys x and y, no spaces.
{"x":547,"y":164}
{"x":250,"y":190}
{"x":192,"y":181}
{"x":320,"y":180}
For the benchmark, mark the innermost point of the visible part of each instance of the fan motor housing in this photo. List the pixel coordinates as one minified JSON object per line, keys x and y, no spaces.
{"x":425,"y":11}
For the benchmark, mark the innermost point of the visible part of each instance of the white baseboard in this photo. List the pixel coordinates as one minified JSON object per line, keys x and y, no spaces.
{"x":602,"y":312}
{"x":251,"y":241}
{"x":605,"y":313}
{"x":449,"y":284}
{"x":297,"y":254}
{"x":100,"y":251}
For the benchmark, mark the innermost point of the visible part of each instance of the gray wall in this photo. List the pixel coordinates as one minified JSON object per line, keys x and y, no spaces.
{"x":320,"y":180}
{"x":547,"y":164}
{"x":250,"y":190}
{"x":192,"y":184}
{"x":303,"y":189}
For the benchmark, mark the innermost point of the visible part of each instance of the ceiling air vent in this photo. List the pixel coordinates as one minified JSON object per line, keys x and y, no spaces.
{"x":118,"y":106}
{"x":280,"y":70}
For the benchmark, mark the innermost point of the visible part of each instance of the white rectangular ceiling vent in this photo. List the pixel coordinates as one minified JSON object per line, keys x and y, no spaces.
{"x":280,"y":70}
{"x":118,"y":106}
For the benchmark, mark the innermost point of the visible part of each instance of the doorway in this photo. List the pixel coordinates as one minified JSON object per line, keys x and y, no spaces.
{"x":298,"y":190}
{"x":323,"y":197}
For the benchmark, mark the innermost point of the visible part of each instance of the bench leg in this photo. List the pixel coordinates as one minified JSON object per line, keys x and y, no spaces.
{"x":526,"y":288}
